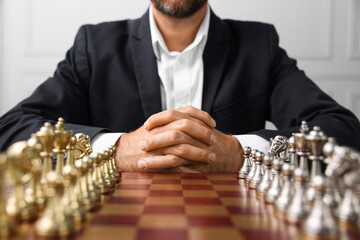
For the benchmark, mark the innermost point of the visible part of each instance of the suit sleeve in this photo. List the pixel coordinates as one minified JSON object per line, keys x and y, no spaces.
{"x":293,"y":97}
{"x":63,"y":95}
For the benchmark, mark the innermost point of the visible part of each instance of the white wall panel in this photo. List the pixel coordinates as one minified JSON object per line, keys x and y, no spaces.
{"x":324,"y":35}
{"x":354,"y":30}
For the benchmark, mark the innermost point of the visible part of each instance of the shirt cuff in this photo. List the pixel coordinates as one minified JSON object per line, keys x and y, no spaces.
{"x":254,"y":142}
{"x":103,"y":141}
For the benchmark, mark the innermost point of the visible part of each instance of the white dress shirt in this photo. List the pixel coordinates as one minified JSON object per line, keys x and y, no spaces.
{"x":181,"y":75}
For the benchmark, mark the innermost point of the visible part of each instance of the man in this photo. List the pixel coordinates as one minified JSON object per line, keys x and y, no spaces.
{"x":129,"y":76}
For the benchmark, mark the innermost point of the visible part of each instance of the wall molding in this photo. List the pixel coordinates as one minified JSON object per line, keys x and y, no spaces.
{"x":30,"y":49}
{"x":354,"y":30}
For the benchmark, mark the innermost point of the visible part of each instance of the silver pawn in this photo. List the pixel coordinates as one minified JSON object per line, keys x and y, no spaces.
{"x":266,"y":180}
{"x":333,"y":195}
{"x":245,"y":169}
{"x":298,"y":207}
{"x":292,"y":152}
{"x":256,"y":179}
{"x":275,"y":186}
{"x":253,"y":166}
{"x":320,"y":221}
{"x":286,"y":192}
{"x":349,"y":208}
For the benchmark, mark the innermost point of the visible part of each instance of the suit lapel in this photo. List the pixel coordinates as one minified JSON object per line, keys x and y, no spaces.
{"x":145,"y":66}
{"x":214,"y":57}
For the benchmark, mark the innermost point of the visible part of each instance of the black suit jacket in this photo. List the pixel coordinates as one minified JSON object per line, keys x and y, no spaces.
{"x":109,"y":82}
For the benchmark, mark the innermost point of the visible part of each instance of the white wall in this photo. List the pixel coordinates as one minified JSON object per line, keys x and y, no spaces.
{"x":324,"y":36}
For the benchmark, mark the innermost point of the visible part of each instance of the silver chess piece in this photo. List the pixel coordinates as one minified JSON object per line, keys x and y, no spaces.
{"x":320,"y":221}
{"x":283,"y":200}
{"x":275,"y":187}
{"x":253,"y":165}
{"x":245,"y":169}
{"x":292,"y":152}
{"x":299,"y":206}
{"x":302,"y":147}
{"x":256,"y":179}
{"x":332,"y":197}
{"x":266,"y":180}
{"x":278,"y":147}
{"x":316,"y":140}
{"x":345,"y":162}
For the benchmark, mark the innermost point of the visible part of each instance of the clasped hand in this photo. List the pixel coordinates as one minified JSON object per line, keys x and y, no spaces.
{"x":181,"y":140}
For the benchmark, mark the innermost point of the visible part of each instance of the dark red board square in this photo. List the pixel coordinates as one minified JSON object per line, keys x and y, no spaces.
{"x":194,"y":176}
{"x":166,"y":181}
{"x":197,"y":187}
{"x":126,"y":200}
{"x":153,"y":209}
{"x":204,"y":221}
{"x":135,"y":175}
{"x":263,"y":234}
{"x":240,"y":210}
{"x":202,"y":201}
{"x":165,"y":193}
{"x":115,"y":220}
{"x":134,"y":186}
{"x":161,"y":234}
{"x":232,"y":194}
{"x":224,"y":182}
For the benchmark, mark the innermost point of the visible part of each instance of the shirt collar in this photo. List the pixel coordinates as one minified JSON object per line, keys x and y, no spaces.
{"x":158,"y":41}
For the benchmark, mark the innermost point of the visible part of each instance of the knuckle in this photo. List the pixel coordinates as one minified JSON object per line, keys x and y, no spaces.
{"x":173,"y":161}
{"x":203,"y":155}
{"x":175,"y":136}
{"x":184,"y":124}
{"x":180,"y":149}
{"x":170,"y":114}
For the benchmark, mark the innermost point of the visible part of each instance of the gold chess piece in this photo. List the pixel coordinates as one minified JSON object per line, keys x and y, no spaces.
{"x":113,"y":153}
{"x":113,"y":169}
{"x":82,"y":185}
{"x":6,"y":221}
{"x":70,"y":159}
{"x":62,"y":138}
{"x":74,"y":207}
{"x":82,"y":146}
{"x":54,"y":222}
{"x":35,"y":192}
{"x":94,"y":191}
{"x":105,"y":170}
{"x":98,"y":176}
{"x":22,"y":160}
{"x":46,"y":136}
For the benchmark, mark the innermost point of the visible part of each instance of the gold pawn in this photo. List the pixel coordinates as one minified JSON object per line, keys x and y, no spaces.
{"x":94,"y":191}
{"x":62,"y":138}
{"x":105,"y":169}
{"x":82,"y":186}
{"x":6,"y":221}
{"x":74,"y":208}
{"x":112,"y":170}
{"x":35,"y":192}
{"x":98,"y":177}
{"x":54,"y":222}
{"x":113,"y":150}
{"x":21,"y":159}
{"x":46,"y":136}
{"x":70,"y":159}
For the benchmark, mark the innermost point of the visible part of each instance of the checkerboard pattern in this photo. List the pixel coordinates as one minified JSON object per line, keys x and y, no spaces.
{"x":187,"y":207}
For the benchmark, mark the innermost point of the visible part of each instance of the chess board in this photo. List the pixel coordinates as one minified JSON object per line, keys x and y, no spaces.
{"x":184,"y":206}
